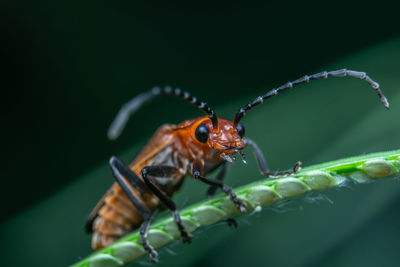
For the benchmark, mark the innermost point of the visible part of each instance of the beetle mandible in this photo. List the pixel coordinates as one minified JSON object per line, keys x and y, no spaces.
{"x":195,"y":147}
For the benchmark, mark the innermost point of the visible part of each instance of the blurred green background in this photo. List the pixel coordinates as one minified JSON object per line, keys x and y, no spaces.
{"x":67,"y":67}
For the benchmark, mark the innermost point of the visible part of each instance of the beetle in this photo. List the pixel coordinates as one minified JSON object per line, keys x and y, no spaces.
{"x":195,"y":147}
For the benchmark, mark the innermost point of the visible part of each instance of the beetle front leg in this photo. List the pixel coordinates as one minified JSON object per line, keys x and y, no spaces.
{"x":262,"y":164}
{"x":220,"y":176}
{"x":165,"y":172}
{"x":240,"y":204}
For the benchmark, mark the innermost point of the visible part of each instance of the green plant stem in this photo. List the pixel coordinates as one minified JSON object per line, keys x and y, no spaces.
{"x":261,"y":193}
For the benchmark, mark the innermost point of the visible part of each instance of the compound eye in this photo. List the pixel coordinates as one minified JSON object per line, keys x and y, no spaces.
{"x":240,"y":130}
{"x":202,"y":133}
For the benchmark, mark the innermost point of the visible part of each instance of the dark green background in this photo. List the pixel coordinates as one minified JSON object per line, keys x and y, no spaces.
{"x":67,"y":67}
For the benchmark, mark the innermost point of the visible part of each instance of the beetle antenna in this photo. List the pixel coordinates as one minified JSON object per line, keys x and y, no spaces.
{"x":305,"y":79}
{"x":137,"y":102}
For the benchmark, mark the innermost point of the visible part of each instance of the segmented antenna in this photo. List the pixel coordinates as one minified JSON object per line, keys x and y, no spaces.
{"x":322,"y":75}
{"x":137,"y":102}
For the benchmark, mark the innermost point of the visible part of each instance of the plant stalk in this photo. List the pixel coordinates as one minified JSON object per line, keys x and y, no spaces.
{"x":265,"y":192}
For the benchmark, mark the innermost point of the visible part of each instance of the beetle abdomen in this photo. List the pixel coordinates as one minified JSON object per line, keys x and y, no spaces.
{"x":116,"y":218}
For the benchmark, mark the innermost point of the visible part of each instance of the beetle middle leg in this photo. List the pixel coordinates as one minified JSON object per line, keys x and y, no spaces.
{"x":118,"y":169}
{"x":165,"y":172}
{"x":240,"y":204}
{"x":262,"y":164}
{"x":212,"y":189}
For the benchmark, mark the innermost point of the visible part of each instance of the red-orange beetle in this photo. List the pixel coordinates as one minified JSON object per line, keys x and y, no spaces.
{"x":194,"y":147}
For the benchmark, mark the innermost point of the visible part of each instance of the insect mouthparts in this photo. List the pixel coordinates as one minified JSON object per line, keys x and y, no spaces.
{"x":241,"y":153}
{"x":233,"y":157}
{"x":226,"y":157}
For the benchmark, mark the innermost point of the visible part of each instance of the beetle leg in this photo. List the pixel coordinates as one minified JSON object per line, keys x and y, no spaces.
{"x":125,"y":171}
{"x":221,"y":174}
{"x":164,"y":172}
{"x":240,"y":204}
{"x":232,"y":222}
{"x":145,"y":243}
{"x":262,"y":164}
{"x":115,"y":164}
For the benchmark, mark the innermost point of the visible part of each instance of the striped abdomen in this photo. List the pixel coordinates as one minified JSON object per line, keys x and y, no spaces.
{"x":115,"y":215}
{"x":118,"y":216}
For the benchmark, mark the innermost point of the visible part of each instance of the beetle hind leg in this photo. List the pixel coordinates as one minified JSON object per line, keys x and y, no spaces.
{"x":118,"y":167}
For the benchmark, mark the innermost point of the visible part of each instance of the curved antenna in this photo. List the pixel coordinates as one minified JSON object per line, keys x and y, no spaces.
{"x":137,"y":102}
{"x":305,"y":79}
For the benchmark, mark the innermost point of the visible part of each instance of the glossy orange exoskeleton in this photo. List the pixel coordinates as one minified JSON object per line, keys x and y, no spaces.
{"x":194,"y":147}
